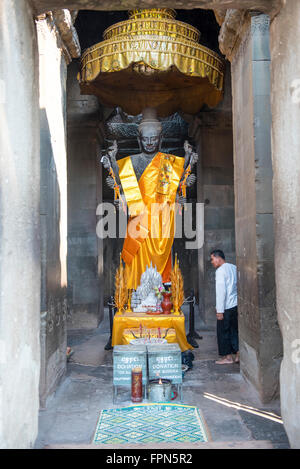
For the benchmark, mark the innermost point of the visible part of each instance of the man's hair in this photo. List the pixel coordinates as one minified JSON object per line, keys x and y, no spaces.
{"x":218,"y":253}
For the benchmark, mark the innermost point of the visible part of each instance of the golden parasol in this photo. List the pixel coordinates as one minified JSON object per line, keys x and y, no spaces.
{"x":152,"y":60}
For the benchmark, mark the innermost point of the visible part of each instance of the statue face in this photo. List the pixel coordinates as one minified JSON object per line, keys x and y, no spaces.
{"x":150,"y":138}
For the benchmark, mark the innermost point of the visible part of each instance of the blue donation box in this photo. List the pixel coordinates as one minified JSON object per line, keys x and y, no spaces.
{"x":125,"y":358}
{"x":164,"y":361}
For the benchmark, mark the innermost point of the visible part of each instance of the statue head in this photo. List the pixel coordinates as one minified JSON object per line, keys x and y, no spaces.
{"x":150,"y":132}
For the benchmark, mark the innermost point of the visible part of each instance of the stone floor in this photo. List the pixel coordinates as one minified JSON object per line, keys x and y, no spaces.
{"x":70,"y":417}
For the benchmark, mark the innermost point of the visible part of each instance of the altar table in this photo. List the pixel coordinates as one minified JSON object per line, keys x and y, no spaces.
{"x":133,"y":320}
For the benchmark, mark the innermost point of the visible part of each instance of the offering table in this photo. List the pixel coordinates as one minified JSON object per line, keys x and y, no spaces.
{"x":133,"y":320}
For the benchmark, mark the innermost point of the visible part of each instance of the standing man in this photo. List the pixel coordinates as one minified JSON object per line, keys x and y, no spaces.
{"x":226,"y":306}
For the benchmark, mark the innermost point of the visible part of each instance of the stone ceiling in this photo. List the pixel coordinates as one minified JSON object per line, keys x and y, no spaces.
{"x":267,"y":6}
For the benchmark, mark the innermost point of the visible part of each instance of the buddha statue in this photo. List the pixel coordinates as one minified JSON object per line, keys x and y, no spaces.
{"x":150,"y":177}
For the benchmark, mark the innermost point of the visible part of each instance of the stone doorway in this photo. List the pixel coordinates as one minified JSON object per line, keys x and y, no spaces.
{"x":90,"y":129}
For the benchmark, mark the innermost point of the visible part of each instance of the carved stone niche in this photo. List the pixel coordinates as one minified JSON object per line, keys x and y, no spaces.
{"x":233,"y":24}
{"x":61,"y":21}
{"x":231,"y":31}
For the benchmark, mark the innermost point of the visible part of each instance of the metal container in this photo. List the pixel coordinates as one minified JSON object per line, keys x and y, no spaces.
{"x":160,"y":390}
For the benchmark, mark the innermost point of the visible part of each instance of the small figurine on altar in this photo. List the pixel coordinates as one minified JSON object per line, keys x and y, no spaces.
{"x":145,"y":297}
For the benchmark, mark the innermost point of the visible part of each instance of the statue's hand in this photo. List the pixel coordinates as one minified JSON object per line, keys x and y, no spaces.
{"x":187,"y":148}
{"x":190,"y":155}
{"x":191,"y":180}
{"x":113,"y":150}
{"x":110,"y":182}
{"x":181,"y":200}
{"x":118,"y":205}
{"x":188,"y":151}
{"x":109,"y":160}
{"x":195,"y":158}
{"x":106,"y":162}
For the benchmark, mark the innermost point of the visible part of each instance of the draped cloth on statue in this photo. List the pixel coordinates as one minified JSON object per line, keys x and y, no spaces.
{"x":151,"y":204}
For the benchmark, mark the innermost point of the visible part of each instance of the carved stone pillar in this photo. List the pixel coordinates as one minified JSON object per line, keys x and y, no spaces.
{"x":260,"y":339}
{"x":19,"y":227}
{"x":85,"y":249}
{"x":285,"y":98}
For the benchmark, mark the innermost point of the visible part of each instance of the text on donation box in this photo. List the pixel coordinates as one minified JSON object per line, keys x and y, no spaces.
{"x":123,"y":364}
{"x":165,"y":364}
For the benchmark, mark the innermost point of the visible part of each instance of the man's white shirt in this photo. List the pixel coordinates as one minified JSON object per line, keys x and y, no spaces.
{"x":226,"y":290}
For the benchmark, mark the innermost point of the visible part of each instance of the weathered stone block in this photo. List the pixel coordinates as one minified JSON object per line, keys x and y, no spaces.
{"x":264,"y":237}
{"x":218,"y":218}
{"x":266,"y":284}
{"x":218,"y":176}
{"x":262,"y":118}
{"x":217,"y":148}
{"x":84,"y":196}
{"x":219,"y":239}
{"x":261,"y":78}
{"x":84,"y":316}
{"x":218,"y":195}
{"x":84,"y":220}
{"x":85,"y":291}
{"x":83,"y":244}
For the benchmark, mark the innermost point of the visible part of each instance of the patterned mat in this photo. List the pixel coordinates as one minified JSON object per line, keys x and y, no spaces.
{"x":151,"y":423}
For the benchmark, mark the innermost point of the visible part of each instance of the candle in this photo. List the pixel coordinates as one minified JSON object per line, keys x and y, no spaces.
{"x":136,"y":384}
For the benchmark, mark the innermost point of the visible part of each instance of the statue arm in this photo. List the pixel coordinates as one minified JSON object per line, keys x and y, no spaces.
{"x":110,"y":163}
{"x":187,"y":179}
{"x":190,"y":158}
{"x":113,"y":179}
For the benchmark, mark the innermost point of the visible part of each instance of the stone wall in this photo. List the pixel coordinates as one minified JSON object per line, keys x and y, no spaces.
{"x":53,"y":209}
{"x":19,"y":230}
{"x":212,"y":131}
{"x":260,"y":340}
{"x":285,"y":98}
{"x":85,"y":258}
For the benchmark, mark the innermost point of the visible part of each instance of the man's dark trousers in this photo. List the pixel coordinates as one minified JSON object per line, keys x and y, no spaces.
{"x":227,"y":332}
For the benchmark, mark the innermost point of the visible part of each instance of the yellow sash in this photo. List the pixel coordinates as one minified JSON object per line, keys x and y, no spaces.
{"x":130,"y":186}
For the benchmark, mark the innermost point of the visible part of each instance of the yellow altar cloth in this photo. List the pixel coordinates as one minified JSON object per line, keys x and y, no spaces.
{"x":133,"y":320}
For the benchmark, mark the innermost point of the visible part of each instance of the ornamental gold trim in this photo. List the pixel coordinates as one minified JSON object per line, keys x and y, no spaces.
{"x":117,"y":55}
{"x":152,"y":13}
{"x":152,"y":27}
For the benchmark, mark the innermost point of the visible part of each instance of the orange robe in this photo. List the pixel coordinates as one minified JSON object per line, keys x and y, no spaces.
{"x":150,"y":238}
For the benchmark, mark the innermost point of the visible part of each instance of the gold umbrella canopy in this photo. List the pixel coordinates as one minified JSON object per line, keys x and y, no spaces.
{"x":152,"y":60}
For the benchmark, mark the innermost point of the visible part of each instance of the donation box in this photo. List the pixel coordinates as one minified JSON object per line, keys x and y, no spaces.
{"x":126,"y":357}
{"x":164,"y":361}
